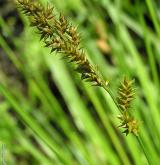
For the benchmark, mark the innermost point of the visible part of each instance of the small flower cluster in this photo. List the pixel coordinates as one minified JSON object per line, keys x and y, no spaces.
{"x":125,"y":96}
{"x":61,"y":37}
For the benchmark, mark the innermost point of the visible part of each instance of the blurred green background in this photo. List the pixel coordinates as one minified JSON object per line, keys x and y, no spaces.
{"x":48,"y":116}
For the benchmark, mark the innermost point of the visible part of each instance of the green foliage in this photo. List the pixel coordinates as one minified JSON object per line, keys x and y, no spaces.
{"x":63,"y":38}
{"x":48,"y":115}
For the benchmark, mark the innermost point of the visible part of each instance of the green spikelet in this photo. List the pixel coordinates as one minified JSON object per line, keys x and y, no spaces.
{"x":125,"y":96}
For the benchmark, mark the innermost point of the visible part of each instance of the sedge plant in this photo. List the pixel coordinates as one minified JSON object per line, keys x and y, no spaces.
{"x":60,"y":36}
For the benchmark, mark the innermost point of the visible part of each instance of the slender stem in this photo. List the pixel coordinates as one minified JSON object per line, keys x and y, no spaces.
{"x":112,"y":96}
{"x":144,"y":151}
{"x":138,"y":138}
{"x":151,"y":57}
{"x":151,"y":8}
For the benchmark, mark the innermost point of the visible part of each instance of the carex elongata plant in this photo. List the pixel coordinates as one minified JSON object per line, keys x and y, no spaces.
{"x":62,"y":37}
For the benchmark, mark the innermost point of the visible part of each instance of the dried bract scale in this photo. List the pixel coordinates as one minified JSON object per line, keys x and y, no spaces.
{"x":75,"y":37}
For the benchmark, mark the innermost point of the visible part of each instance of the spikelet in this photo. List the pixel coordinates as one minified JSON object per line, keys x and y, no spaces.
{"x":126,"y":94}
{"x":124,"y":99}
{"x":61,"y":37}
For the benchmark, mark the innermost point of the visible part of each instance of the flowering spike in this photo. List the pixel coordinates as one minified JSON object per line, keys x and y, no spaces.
{"x":125,"y":96}
{"x":62,"y":37}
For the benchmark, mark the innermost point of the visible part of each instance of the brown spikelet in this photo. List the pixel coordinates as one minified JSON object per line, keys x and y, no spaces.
{"x":61,"y":37}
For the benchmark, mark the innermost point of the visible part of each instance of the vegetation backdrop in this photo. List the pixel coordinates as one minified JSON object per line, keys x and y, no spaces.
{"x":49,"y":116}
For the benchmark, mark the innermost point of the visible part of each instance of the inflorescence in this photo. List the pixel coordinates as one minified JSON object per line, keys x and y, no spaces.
{"x":124,"y":99}
{"x":62,"y":37}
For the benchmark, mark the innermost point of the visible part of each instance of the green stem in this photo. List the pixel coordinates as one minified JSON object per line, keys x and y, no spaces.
{"x":153,"y":16}
{"x":32,"y":124}
{"x":138,"y":138}
{"x":152,"y":63}
{"x":144,"y":151}
{"x":151,"y":57}
{"x":112,"y":96}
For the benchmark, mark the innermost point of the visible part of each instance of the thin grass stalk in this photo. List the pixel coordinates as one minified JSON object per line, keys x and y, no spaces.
{"x":144,"y":150}
{"x":151,"y":57}
{"x":35,"y":127}
{"x":151,"y":7}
